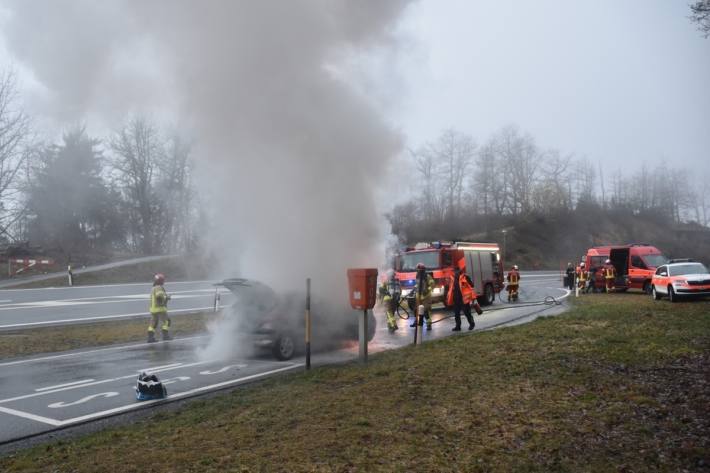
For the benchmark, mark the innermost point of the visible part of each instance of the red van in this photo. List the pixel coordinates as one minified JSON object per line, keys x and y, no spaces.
{"x":635,"y":264}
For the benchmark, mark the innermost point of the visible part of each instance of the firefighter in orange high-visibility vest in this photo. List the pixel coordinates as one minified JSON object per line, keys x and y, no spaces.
{"x":513,"y":279}
{"x":462,"y":296}
{"x":609,"y":272}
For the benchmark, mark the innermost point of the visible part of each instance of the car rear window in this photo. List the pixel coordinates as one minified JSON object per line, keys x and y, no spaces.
{"x":690,"y":268}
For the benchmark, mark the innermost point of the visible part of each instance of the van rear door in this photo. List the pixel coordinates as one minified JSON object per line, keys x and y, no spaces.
{"x":620,"y":259}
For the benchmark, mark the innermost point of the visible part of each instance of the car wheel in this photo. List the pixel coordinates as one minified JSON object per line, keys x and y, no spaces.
{"x":656,"y":295}
{"x":488,"y":295}
{"x":647,"y":287}
{"x":672,"y":296}
{"x":283,"y":348}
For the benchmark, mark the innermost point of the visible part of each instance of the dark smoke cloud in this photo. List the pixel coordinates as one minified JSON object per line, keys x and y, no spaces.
{"x":289,"y":154}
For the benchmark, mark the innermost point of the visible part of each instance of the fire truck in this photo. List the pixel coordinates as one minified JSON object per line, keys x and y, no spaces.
{"x":482,"y":262}
{"x":635,"y":264}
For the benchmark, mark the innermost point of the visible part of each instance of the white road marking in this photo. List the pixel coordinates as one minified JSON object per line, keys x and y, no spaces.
{"x":98,"y":350}
{"x":222,"y":370}
{"x":103,"y":317}
{"x":136,"y":405}
{"x":27,"y":415}
{"x":175,"y":379}
{"x":129,"y":407}
{"x":157,"y":369}
{"x":103,"y":381}
{"x":78,"y":288}
{"x":57,"y":405}
{"x":64,"y":385}
{"x":103,"y":300}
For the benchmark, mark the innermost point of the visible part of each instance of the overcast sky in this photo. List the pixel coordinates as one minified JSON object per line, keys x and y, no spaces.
{"x":619,"y":81}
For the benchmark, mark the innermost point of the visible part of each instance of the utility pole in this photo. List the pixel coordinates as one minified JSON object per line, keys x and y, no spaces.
{"x":504,"y":232}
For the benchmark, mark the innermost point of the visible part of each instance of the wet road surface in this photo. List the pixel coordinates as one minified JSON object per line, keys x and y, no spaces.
{"x":54,"y":391}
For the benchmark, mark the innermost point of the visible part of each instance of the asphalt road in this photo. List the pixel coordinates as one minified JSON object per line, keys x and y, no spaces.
{"x":56,"y":391}
{"x":27,"y":308}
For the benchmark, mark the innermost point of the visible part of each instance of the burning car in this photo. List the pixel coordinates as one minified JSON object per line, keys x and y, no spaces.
{"x":276,"y":322}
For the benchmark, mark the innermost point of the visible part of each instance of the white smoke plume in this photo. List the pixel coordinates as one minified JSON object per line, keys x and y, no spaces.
{"x":289,"y":155}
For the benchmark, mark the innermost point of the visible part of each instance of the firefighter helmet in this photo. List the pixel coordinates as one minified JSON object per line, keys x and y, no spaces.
{"x":159,"y":278}
{"x":420,"y":266}
{"x":607,"y":261}
{"x":390,"y":273}
{"x":515,"y":267}
{"x":581,"y":265}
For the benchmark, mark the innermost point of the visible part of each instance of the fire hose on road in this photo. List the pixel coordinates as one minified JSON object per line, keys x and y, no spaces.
{"x":549,"y":301}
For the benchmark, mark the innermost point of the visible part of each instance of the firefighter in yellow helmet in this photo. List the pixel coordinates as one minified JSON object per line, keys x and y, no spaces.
{"x":422,"y":292}
{"x":159,"y":309}
{"x":582,"y":276}
{"x":390,"y":293}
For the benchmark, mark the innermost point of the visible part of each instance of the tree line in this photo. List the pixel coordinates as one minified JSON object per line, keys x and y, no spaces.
{"x":458,"y":180}
{"x":130,"y":191}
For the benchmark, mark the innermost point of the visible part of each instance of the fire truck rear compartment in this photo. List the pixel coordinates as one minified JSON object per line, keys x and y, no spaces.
{"x":620,"y":259}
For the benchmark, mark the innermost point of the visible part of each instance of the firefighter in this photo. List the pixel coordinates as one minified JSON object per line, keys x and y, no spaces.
{"x":582,"y":276}
{"x":390,"y":292}
{"x":159,"y":309}
{"x":609,"y":272}
{"x":422,"y":290}
{"x":569,"y":276}
{"x":513,"y":283}
{"x":461,"y":295}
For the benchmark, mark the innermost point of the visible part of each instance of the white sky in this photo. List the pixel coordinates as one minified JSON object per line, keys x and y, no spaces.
{"x":621,"y":81}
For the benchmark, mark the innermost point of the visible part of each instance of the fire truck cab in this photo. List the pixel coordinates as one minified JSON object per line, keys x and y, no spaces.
{"x":635,"y":264}
{"x":481,"y":261}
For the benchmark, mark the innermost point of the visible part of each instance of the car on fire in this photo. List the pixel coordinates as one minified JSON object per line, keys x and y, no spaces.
{"x":275,"y":322}
{"x":679,"y":279}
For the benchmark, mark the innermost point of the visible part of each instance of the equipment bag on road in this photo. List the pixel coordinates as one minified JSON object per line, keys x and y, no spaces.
{"x":149,"y":387}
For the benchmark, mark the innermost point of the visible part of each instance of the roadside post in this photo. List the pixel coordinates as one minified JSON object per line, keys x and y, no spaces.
{"x":363,"y":287}
{"x":217,"y":298}
{"x":308,"y":323}
{"x":70,"y":275}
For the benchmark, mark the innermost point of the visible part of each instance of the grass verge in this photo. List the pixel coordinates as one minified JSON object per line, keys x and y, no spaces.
{"x":620,"y":383}
{"x":69,"y":337}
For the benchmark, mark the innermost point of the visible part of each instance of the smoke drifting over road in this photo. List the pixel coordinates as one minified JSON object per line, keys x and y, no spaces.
{"x":289,"y":155}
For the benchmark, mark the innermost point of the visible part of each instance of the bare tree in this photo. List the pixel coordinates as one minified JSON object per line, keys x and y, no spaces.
{"x":174,"y":188}
{"x":14,"y":134}
{"x":700,"y":14}
{"x":138,"y":150}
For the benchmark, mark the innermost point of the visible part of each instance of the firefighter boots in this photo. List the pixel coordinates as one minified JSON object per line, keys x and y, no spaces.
{"x":165,"y":335}
{"x":151,"y":337}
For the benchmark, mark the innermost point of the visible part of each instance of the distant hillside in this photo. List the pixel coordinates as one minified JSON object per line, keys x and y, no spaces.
{"x":549,"y":241}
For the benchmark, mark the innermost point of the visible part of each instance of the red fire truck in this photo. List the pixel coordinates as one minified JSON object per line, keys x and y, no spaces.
{"x":482,"y":262}
{"x":635,"y":264}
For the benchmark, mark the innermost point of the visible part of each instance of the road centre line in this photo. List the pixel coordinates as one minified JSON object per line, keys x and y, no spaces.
{"x":97,"y":350}
{"x":148,"y":284}
{"x":102,"y":317}
{"x":96,"y":300}
{"x":64,"y":385}
{"x":104,"y":381}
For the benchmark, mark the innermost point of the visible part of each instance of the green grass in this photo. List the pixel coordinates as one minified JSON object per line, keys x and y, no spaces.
{"x":27,"y":342}
{"x":619,"y":383}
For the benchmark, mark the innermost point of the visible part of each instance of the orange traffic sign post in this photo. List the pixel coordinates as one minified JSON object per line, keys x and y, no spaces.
{"x":362,"y":284}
